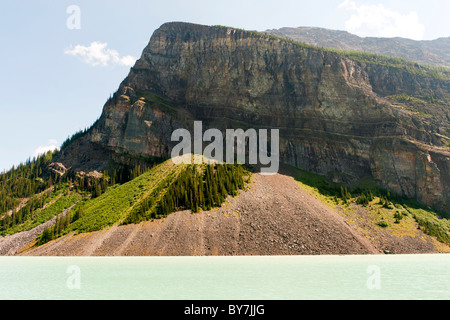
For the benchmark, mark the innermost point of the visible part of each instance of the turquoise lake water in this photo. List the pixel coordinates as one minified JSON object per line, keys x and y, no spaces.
{"x":383,"y":277}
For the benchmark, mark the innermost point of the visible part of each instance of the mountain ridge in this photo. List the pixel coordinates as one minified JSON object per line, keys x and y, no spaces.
{"x":432,"y":52}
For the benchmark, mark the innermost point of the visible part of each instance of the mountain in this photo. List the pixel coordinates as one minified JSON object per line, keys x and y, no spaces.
{"x":349,"y":116}
{"x":364,"y":151}
{"x":434,"y":52}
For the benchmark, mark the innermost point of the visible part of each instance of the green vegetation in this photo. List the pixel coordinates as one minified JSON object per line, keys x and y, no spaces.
{"x":62,"y":223}
{"x":115,"y":174}
{"x":365,"y":198}
{"x":196,"y":187}
{"x":113,"y":206}
{"x":383,"y":224}
{"x":25,"y":181}
{"x":345,"y":195}
{"x":26,"y":189}
{"x":32,"y":193}
{"x":398,"y":216}
{"x":202,"y":187}
{"x":384,"y":201}
{"x":153,"y":194}
{"x":19,"y":222}
{"x":385,"y":205}
{"x":431,"y":222}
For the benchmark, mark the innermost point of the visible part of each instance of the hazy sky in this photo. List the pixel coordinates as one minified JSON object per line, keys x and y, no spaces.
{"x":59,"y":65}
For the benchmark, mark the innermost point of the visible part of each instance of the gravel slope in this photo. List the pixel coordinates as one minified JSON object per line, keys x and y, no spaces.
{"x":275,"y":216}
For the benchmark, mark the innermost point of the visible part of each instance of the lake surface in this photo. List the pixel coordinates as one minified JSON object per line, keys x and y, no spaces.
{"x":383,"y":277}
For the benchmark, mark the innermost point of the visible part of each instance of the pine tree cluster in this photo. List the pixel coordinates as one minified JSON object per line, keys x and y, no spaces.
{"x":24,"y":181}
{"x":34,"y":184}
{"x":25,"y":213}
{"x":197,"y":187}
{"x":202,"y":188}
{"x":345,"y":194}
{"x":365,"y":198}
{"x":62,"y":223}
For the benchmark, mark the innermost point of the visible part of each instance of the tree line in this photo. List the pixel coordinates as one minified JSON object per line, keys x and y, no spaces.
{"x":197,"y":189}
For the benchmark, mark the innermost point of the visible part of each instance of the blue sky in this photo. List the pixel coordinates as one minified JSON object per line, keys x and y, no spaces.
{"x":55,"y":79}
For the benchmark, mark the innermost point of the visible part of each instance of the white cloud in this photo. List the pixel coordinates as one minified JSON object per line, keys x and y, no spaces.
{"x":375,"y":20}
{"x":51,"y":146}
{"x":97,"y":54}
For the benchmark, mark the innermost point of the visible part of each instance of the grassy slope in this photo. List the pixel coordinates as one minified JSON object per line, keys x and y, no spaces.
{"x":54,"y":205}
{"x":120,"y":204}
{"x":114,"y":206}
{"x":401,"y":217}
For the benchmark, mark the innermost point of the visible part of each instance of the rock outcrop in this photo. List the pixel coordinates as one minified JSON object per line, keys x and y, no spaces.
{"x":334,"y":114}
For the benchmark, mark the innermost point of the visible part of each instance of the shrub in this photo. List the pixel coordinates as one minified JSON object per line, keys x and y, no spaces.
{"x":398,"y":216}
{"x":365,"y":198}
{"x":383,"y":224}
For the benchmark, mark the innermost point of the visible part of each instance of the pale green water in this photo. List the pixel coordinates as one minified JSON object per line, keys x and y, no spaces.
{"x":228,"y":278}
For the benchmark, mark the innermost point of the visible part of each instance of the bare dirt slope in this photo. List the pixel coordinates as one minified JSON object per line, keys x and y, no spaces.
{"x":275,"y":216}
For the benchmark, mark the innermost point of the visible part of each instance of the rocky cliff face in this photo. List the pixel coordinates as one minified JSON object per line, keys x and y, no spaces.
{"x":335,"y":115}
